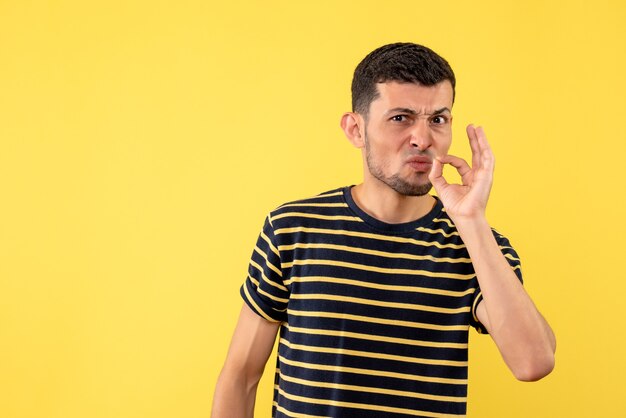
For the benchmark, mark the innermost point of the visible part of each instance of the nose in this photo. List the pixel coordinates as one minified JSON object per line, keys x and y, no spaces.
{"x":421,"y":136}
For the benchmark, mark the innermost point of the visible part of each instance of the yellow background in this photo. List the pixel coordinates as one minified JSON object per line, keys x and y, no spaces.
{"x":143,"y":142}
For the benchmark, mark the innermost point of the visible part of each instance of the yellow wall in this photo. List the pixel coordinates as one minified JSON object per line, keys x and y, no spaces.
{"x":143,"y":142}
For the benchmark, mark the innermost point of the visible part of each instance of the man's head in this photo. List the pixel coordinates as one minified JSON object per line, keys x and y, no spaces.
{"x":401,"y":62}
{"x":402,"y":98}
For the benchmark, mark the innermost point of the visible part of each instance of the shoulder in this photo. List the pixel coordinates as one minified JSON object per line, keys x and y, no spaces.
{"x":325,"y":211}
{"x":444,"y":224}
{"x":322,"y":202}
{"x":509,"y":253}
{"x":502,"y":240}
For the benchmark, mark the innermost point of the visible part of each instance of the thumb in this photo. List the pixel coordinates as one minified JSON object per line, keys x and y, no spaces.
{"x":436,"y":175}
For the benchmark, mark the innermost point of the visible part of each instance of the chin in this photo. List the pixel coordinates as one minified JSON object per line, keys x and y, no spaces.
{"x":408,"y":189}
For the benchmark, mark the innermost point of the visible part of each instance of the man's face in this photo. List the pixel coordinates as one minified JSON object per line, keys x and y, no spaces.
{"x":407,"y":127}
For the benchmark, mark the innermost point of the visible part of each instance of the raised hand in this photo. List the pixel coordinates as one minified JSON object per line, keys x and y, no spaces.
{"x":469,"y":199}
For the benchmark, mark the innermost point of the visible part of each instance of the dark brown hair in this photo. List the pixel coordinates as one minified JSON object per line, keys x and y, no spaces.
{"x":402,"y":62}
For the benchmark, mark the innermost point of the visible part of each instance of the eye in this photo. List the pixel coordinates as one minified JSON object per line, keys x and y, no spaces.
{"x":399,"y":118}
{"x":439,"y":120}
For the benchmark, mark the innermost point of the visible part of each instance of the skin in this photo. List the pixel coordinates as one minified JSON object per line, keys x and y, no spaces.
{"x":389,"y":135}
{"x":250,"y":348}
{"x":402,"y":122}
{"x":409,"y":121}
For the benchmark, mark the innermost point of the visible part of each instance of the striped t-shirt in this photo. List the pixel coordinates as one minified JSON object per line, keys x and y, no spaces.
{"x":375,"y":316}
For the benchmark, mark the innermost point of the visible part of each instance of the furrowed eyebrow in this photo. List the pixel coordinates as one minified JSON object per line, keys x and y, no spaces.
{"x":409,"y":111}
{"x":401,"y":110}
{"x":440,"y":111}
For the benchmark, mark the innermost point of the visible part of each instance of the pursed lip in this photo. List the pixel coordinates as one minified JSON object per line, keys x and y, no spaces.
{"x":419,"y":159}
{"x":420,"y":163}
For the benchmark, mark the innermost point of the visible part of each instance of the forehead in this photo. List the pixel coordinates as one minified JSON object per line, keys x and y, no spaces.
{"x":422,"y":99}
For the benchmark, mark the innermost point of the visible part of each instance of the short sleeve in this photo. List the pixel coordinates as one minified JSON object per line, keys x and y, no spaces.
{"x":263,"y":290}
{"x":511,"y":256}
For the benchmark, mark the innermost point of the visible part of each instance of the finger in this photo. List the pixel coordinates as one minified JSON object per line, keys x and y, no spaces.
{"x":473,"y":141}
{"x":487,"y":159}
{"x":436,"y":175}
{"x":460,"y":164}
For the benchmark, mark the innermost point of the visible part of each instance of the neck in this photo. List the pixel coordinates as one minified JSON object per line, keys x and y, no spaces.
{"x":385,"y":204}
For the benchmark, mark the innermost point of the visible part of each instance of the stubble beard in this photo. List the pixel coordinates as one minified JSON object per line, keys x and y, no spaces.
{"x":397,"y":183}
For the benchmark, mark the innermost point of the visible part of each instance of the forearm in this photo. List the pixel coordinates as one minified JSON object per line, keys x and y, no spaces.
{"x":249,"y":350}
{"x":522,"y":335}
{"x":234,"y":396}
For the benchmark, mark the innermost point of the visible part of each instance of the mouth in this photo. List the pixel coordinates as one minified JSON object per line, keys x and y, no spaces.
{"x":420,"y":163}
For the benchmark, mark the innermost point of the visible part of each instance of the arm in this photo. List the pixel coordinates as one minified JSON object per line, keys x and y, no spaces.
{"x":249,"y":350}
{"x":523,"y":336}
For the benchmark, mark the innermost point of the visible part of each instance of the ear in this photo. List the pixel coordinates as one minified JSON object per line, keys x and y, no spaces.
{"x":353,"y":126}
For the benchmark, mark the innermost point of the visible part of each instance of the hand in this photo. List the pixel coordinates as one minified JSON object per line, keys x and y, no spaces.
{"x":467,"y":200}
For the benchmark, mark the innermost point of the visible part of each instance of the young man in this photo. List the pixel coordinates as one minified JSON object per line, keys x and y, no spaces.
{"x":374,"y":287}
